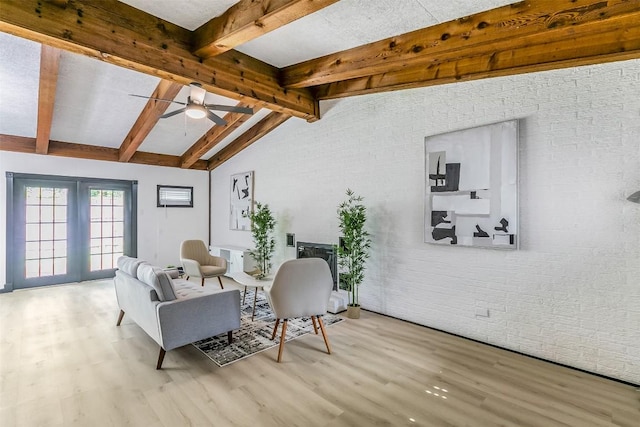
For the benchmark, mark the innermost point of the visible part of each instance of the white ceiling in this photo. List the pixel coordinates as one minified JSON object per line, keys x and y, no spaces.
{"x":19,"y":79}
{"x":189,"y":14}
{"x":93,"y":105}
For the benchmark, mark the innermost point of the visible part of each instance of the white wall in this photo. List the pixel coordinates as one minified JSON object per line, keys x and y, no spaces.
{"x":160,"y":230}
{"x":571,"y":294}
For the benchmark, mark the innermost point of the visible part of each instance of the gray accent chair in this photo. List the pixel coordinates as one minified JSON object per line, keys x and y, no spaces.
{"x":173,"y":312}
{"x":301,"y":288}
{"x":198,"y":262}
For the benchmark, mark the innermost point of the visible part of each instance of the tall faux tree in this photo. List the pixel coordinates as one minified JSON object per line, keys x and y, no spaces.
{"x":262,"y":225}
{"x":354,"y":249}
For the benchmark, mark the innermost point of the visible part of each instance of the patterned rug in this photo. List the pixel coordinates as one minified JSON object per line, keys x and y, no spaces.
{"x":254,"y":337}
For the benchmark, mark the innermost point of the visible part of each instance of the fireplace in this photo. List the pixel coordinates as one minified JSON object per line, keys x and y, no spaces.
{"x":320,"y":250}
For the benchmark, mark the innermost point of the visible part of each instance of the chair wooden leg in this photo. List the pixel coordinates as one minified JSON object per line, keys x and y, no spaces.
{"x":282,"y":337}
{"x":202,"y":282}
{"x":230,"y":336}
{"x":220,"y":280}
{"x":255,"y":298}
{"x":120,"y":316}
{"x":244,"y":295}
{"x":324,"y":335}
{"x":160,"y":358}
{"x":315,"y":327}
{"x":275,"y":329}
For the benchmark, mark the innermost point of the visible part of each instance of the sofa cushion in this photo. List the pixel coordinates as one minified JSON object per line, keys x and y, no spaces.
{"x":158,"y":279}
{"x":186,"y":289}
{"x":129,"y":265}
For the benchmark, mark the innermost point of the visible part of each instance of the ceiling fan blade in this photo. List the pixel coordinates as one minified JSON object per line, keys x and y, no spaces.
{"x":173,"y":113}
{"x":157,"y":99}
{"x":230,"y":108}
{"x":216,"y":119}
{"x":197,"y":93}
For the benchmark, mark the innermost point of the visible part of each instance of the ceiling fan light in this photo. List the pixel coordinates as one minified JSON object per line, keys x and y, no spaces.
{"x":196,"y":111}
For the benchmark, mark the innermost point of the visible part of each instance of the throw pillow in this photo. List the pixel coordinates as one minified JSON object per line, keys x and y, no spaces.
{"x":159,"y":280}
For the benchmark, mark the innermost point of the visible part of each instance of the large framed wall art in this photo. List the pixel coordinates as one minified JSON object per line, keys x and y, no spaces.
{"x":472,"y":187}
{"x":241,"y":192}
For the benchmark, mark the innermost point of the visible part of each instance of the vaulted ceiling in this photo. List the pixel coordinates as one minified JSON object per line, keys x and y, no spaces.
{"x":68,"y":67}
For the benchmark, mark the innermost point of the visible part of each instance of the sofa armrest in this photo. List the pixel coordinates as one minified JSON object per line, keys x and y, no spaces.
{"x":138,"y":301}
{"x":191,"y":267}
{"x":199,"y":315}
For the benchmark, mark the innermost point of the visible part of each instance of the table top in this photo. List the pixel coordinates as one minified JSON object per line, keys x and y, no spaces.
{"x":248,"y":280}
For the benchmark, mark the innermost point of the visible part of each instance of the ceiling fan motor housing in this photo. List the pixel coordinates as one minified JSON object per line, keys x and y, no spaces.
{"x":195,"y":107}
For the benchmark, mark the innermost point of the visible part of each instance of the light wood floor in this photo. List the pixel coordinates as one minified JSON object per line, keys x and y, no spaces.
{"x":64,"y":362}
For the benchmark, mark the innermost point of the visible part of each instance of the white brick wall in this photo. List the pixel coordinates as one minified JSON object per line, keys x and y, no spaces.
{"x":571,"y":294}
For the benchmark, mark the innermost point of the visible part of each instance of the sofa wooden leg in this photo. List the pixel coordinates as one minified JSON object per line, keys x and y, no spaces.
{"x":282,"y":336}
{"x":230,"y":336}
{"x":160,"y":358}
{"x":120,"y":316}
{"x":186,"y":278}
{"x":315,"y":327}
{"x":324,"y":335}
{"x":202,"y":282}
{"x":275,"y":329}
{"x":220,"y":280}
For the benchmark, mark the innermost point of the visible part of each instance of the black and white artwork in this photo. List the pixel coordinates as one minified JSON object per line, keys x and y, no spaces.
{"x":471,"y":187}
{"x":241,"y":200}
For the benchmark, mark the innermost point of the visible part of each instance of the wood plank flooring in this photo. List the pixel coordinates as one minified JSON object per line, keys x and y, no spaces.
{"x":63,"y":362}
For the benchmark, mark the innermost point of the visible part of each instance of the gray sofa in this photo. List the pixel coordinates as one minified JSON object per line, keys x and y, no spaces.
{"x":174,"y":312}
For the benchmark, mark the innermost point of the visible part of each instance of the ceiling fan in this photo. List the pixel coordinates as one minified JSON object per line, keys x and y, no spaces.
{"x":197,"y":109}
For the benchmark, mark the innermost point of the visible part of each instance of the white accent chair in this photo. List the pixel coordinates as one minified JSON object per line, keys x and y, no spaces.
{"x":198,"y":262}
{"x":300,"y":288}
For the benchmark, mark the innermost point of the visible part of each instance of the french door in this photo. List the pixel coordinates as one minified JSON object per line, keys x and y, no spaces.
{"x":42,"y":234}
{"x":106,"y":229}
{"x":62,"y":229}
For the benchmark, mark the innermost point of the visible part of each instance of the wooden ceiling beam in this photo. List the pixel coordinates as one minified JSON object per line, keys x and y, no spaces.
{"x":257,"y":131}
{"x":17,"y":144}
{"x":22,"y":144}
{"x":59,"y":3}
{"x":214,"y":136}
{"x":49,"y":65}
{"x":114,"y":32}
{"x":620,"y":44}
{"x":249,"y":19}
{"x":470,"y":36}
{"x":148,"y":118}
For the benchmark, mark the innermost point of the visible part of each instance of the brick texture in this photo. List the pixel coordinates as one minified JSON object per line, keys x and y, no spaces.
{"x":571,"y":294}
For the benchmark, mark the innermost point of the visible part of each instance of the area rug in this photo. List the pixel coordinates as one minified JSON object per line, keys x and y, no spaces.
{"x":254,"y":337}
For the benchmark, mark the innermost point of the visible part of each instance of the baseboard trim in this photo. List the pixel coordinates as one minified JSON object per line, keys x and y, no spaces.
{"x":618,"y":380}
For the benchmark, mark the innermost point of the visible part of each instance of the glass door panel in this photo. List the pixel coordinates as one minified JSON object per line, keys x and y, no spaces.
{"x":43,"y":211}
{"x":108,"y":230}
{"x":105,"y":229}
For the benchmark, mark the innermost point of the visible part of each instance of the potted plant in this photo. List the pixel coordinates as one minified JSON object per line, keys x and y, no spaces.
{"x":353,"y":249}
{"x":262,"y":225}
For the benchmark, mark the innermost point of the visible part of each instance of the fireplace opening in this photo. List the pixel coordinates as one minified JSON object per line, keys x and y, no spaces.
{"x":320,"y":250}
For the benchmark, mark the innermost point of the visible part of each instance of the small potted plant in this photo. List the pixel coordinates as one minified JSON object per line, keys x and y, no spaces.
{"x":262,"y":225}
{"x":353,"y":249}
